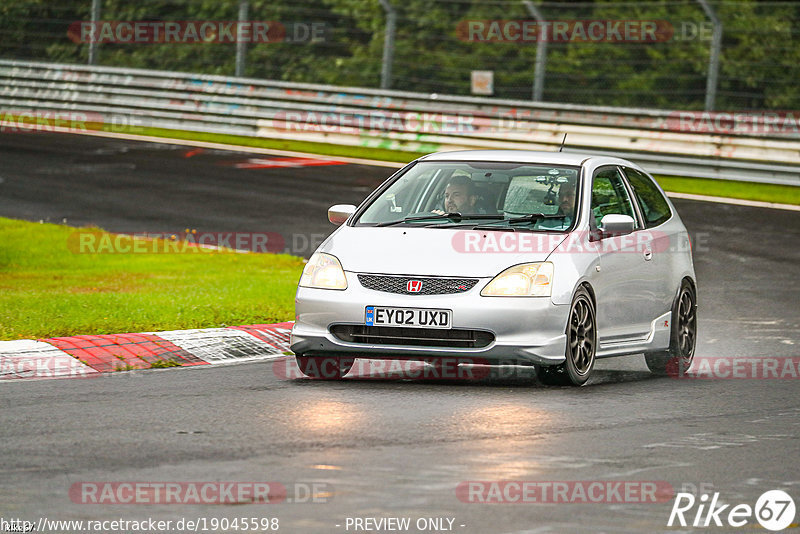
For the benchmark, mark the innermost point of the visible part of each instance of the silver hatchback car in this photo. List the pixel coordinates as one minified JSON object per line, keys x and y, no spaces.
{"x":502,"y":257}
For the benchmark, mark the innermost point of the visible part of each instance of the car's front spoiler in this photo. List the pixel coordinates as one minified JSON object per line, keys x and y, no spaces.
{"x":551,"y":353}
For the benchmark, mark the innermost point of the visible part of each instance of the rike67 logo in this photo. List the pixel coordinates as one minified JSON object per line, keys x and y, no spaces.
{"x":774,"y":510}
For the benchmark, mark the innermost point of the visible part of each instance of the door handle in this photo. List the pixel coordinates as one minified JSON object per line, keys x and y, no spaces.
{"x":648,"y":255}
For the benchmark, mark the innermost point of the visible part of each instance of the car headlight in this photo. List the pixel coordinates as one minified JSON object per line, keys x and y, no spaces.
{"x":323,"y":271}
{"x":526,"y":280}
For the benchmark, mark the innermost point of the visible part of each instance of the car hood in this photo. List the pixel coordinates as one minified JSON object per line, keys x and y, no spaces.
{"x":437,"y":251}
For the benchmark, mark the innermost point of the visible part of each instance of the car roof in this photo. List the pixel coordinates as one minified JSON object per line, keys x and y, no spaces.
{"x":522,"y":156}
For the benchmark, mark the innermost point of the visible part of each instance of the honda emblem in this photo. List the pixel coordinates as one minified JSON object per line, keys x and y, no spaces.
{"x":414,"y":286}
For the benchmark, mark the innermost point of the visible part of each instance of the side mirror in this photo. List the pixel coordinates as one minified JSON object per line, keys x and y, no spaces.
{"x":616,"y":224}
{"x":339,"y":213}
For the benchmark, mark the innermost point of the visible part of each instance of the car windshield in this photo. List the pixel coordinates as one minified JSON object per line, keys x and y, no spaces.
{"x":486,"y":194}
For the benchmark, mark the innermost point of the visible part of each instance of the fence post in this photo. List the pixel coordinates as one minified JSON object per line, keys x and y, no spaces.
{"x":541,"y":51}
{"x":388,"y":44}
{"x":713,"y":60}
{"x":95,"y":17}
{"x":241,"y":45}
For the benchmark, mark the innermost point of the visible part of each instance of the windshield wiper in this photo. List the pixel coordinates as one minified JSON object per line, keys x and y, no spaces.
{"x":530,"y":217}
{"x":455,"y":216}
{"x":533,"y":217}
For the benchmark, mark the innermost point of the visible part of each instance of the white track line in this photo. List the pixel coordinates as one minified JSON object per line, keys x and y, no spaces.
{"x":221,"y":345}
{"x":736,"y":201}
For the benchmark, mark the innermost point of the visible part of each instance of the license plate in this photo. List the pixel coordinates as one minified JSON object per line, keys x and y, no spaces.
{"x":416,"y":317}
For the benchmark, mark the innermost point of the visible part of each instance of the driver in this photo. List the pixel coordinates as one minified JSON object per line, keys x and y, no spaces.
{"x":566,"y":199}
{"x":460,"y":197}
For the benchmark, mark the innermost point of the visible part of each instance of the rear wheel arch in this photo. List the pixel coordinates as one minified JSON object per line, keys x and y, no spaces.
{"x":677,"y":359}
{"x":590,"y":290}
{"x":693,"y":285}
{"x":677,"y":295}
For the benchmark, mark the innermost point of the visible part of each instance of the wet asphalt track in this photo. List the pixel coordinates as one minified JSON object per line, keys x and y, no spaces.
{"x":390,"y":447}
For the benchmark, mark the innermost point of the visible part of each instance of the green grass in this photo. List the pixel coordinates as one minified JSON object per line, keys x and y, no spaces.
{"x":163,"y":364}
{"x":48,"y":289}
{"x":782,"y":194}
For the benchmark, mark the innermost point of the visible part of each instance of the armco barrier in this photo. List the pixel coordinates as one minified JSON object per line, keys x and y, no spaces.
{"x":391,"y":119}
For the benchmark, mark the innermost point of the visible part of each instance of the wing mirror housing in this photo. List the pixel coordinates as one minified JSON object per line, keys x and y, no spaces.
{"x":615,"y":224}
{"x":339,"y":213}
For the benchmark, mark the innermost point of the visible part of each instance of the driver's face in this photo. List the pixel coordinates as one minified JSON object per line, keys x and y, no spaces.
{"x":457,"y":199}
{"x":567,"y":201}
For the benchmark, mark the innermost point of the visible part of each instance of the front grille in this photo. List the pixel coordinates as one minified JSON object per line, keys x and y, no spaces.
{"x":430,"y":286}
{"x":418,"y":337}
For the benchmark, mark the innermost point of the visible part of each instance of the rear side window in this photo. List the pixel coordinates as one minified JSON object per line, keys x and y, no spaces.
{"x":654,"y":206}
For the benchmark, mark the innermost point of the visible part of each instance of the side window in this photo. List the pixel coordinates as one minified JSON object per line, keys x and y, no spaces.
{"x":609,"y":195}
{"x":654,"y":206}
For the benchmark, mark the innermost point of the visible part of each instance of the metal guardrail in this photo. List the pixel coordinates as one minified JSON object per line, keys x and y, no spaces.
{"x":393,"y":119}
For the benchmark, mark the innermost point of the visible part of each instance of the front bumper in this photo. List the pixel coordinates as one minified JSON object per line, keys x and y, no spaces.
{"x":526,"y":329}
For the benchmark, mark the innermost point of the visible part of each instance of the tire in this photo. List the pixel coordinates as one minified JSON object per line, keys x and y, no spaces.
{"x":683,"y":337}
{"x":580,"y":348}
{"x":324,"y":367}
